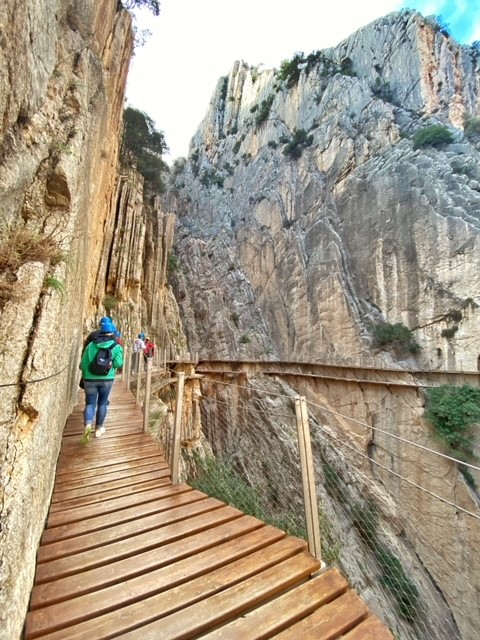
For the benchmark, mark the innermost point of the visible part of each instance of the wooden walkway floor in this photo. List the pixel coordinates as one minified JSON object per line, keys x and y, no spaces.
{"x":127,"y":554}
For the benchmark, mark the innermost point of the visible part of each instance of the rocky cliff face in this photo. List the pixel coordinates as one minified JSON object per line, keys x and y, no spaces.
{"x":63,"y":68}
{"x":133,"y":272}
{"x":306,"y":214}
{"x":78,"y":240}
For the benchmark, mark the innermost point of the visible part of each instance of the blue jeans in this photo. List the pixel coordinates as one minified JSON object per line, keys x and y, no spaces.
{"x":96,"y":397}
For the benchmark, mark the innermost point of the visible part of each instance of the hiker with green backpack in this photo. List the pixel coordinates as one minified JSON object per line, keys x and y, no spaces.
{"x":100,"y":359}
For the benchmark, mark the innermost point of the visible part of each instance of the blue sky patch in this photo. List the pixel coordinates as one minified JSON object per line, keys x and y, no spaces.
{"x":462,"y":17}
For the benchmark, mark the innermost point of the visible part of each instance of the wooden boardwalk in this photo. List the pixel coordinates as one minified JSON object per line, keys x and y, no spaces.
{"x":127,"y":554}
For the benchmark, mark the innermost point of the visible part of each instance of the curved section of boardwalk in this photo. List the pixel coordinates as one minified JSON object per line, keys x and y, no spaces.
{"x":126,"y":554}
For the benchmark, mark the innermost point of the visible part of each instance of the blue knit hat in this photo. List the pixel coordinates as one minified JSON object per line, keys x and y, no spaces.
{"x":107,"y":322}
{"x":107,"y":327}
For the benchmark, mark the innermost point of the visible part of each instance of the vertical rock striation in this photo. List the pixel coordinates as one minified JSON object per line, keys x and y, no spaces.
{"x":306,"y":201}
{"x":307,"y":213}
{"x":63,"y":68}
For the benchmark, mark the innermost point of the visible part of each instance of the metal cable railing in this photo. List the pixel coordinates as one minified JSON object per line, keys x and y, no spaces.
{"x":35,"y":380}
{"x":399,"y":518}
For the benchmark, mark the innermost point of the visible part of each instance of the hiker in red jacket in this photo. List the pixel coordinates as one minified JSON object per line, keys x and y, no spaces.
{"x":149,"y":350}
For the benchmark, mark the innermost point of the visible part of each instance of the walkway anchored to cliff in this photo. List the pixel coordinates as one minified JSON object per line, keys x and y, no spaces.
{"x":128,"y":554}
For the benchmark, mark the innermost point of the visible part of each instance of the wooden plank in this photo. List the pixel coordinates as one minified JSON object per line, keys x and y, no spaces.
{"x":369,"y":629}
{"x":54,"y":538}
{"x":263,"y":622}
{"x":89,"y":488}
{"x":75,"y":481}
{"x":109,"y":441}
{"x":139,"y":561}
{"x":164,"y":498}
{"x":92,"y":459}
{"x":194,"y":620}
{"x":60,"y":559}
{"x":188,"y":506}
{"x":328,"y":622}
{"x":110,"y":625}
{"x":156,"y":461}
{"x":115,"y":562}
{"x":114,"y":504}
{"x":64,"y":614}
{"x":107,"y":494}
{"x":127,"y":416}
{"x":116,"y":433}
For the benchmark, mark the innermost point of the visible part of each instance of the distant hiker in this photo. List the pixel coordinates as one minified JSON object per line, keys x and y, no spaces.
{"x":100,"y":359}
{"x":149,"y":350}
{"x":138,"y":347}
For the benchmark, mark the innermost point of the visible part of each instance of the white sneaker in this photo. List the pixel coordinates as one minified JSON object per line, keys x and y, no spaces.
{"x":86,"y":433}
{"x":99,"y":432}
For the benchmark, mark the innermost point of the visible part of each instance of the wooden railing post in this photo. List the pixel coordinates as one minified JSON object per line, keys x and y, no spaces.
{"x":122,"y":374}
{"x":308,"y":478}
{"x":175,"y":462}
{"x":128,"y":366}
{"x":139,"y":377}
{"x":146,"y":402}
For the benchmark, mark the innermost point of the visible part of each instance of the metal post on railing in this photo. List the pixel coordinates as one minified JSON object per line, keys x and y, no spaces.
{"x":146,"y":402}
{"x":139,"y":377}
{"x":308,"y":479}
{"x":175,"y":462}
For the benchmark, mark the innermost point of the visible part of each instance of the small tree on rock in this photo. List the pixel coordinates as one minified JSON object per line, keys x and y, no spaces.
{"x":142,"y":139}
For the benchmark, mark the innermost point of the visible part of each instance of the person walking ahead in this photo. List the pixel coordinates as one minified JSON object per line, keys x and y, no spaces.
{"x":138,"y":347}
{"x":100,"y":359}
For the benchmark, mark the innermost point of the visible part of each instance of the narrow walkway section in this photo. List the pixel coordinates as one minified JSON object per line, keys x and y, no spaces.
{"x":127,"y":554}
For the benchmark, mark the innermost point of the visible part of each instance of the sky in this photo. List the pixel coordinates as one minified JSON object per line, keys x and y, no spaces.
{"x":193,"y":43}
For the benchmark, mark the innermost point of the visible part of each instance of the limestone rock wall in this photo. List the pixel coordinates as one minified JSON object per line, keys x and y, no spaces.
{"x":63,"y":68}
{"x":306,"y":214}
{"x":132,"y":282}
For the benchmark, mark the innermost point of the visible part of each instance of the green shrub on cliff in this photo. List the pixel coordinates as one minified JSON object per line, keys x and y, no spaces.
{"x":453,"y":412}
{"x":290,"y":70}
{"x":396,"y":338}
{"x":472,"y":127}
{"x":299,"y":141}
{"x":264,"y":109}
{"x":433,"y":136}
{"x":394,"y":578}
{"x":19,"y":245}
